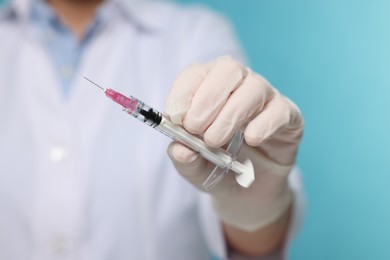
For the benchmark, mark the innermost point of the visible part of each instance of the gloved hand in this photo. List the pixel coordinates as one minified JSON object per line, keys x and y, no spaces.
{"x":216,"y":99}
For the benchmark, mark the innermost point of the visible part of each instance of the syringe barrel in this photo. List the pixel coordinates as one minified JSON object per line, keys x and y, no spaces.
{"x":215,"y":155}
{"x":154,"y":118}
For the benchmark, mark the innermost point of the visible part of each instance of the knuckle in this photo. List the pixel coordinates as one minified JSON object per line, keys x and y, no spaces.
{"x":192,"y":72}
{"x":197,"y":67}
{"x":262,"y":84}
{"x":285,"y":111}
{"x":212,"y":140}
{"x":193,"y":125}
{"x":252,"y":139}
{"x":224,"y":58}
{"x":176,"y":118}
{"x":230,"y":65}
{"x":281,"y":112}
{"x":295,"y":114}
{"x":219,"y":133}
{"x":258,"y":90}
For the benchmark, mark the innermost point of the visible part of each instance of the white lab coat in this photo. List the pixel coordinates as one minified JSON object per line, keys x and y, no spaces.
{"x":80,"y":179}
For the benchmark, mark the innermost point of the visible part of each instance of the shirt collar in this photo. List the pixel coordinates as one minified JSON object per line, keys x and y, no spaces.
{"x":139,"y":12}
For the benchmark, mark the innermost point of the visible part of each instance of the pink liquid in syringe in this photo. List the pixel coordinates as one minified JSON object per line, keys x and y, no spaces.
{"x":127,"y":103}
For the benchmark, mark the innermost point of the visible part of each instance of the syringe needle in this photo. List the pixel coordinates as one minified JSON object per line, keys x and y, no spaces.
{"x":94,"y":83}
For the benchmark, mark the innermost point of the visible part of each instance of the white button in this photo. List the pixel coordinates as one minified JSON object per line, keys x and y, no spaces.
{"x":60,"y":245}
{"x":58,"y":154}
{"x":67,"y":71}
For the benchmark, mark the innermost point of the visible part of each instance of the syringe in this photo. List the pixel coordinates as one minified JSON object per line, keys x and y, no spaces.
{"x":138,"y":109}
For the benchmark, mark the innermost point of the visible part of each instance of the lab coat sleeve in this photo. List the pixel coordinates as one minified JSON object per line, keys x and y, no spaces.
{"x":213,"y":37}
{"x":212,"y":228}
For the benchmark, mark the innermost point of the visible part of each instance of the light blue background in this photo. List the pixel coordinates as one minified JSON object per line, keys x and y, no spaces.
{"x":332,"y":57}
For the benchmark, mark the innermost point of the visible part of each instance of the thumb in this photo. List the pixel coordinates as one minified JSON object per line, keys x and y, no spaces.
{"x":188,"y":163}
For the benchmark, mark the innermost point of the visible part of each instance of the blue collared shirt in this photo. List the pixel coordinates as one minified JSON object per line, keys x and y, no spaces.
{"x":63,"y":47}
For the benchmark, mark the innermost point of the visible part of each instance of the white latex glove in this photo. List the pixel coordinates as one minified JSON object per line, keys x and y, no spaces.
{"x":214,"y":100}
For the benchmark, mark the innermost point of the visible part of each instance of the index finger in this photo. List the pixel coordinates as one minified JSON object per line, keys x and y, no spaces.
{"x":222,"y":79}
{"x":184,"y":87}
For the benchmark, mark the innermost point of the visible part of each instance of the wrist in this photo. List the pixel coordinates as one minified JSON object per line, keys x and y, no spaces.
{"x":266,"y":241}
{"x":252,"y":214}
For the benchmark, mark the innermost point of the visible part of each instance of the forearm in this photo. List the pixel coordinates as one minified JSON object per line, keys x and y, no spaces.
{"x":260,"y":242}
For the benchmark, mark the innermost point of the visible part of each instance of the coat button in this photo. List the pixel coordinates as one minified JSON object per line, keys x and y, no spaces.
{"x":60,"y":245}
{"x":58,"y":154}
